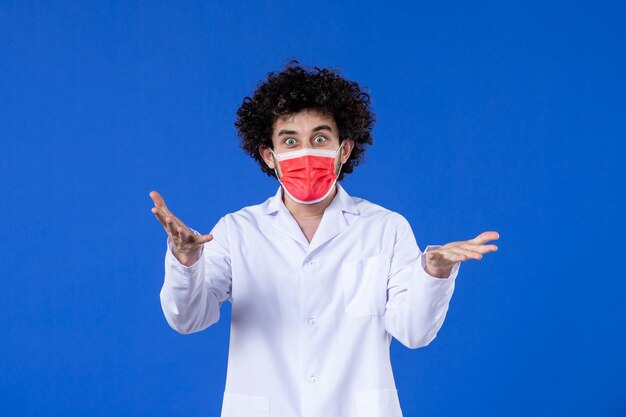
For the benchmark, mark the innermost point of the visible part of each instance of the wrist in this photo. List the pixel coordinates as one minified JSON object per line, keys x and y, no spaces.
{"x":187,"y":258}
{"x":438,"y":272}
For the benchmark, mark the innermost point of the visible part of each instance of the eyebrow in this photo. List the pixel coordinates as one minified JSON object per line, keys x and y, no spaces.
{"x":315,"y":129}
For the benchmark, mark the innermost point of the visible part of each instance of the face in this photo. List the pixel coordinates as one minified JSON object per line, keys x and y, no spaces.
{"x":306,"y":129}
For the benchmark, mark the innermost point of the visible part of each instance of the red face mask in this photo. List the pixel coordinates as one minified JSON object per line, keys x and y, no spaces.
{"x":308,"y":175}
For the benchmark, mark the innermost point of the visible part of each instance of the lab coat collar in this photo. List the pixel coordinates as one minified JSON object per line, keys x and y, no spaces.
{"x":344,"y":200}
{"x":338,"y":216}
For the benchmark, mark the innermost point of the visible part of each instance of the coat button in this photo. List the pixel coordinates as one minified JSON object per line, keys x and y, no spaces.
{"x":313,"y":379}
{"x":312,"y":322}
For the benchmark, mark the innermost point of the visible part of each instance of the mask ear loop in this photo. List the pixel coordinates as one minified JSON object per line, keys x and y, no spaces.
{"x":275,"y":164}
{"x":340,"y":163}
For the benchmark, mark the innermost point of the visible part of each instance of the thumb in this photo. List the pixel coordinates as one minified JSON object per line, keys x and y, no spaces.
{"x":205,"y":238}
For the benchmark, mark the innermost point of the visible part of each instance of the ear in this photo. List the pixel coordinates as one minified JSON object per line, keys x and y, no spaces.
{"x":346,"y":150}
{"x":267,"y":156}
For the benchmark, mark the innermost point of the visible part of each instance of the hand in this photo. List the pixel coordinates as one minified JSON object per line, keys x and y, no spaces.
{"x":440,"y":261}
{"x":186,"y":245}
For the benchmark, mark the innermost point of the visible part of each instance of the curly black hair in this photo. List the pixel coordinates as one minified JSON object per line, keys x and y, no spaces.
{"x":295,"y":89}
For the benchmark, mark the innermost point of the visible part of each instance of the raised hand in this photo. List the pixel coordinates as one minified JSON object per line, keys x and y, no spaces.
{"x":439,"y":262}
{"x":186,"y":245}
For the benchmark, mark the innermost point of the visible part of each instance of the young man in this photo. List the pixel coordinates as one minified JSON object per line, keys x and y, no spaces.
{"x":319,"y":281}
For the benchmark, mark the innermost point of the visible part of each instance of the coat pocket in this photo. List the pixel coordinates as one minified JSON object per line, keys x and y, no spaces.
{"x":378,"y":403}
{"x":238,"y":405}
{"x":364,"y":285}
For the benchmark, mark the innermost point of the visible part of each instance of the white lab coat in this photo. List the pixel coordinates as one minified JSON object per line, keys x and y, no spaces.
{"x":311,"y":323}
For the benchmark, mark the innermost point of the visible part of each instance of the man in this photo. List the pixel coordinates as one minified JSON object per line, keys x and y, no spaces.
{"x":319,"y":281}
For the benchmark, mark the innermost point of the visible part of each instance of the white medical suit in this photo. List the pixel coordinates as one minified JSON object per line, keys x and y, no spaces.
{"x":311,"y":322}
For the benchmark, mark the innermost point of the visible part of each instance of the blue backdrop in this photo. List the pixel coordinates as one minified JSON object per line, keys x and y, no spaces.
{"x":504,"y":116}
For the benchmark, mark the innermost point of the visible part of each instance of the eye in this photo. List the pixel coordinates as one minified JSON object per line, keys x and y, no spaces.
{"x":320,"y":139}
{"x":290,"y":141}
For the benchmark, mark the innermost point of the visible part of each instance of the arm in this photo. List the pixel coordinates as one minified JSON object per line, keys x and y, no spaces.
{"x":417,"y":302}
{"x":191,"y":296}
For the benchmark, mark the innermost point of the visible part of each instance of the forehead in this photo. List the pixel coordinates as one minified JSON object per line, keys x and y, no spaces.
{"x":304,"y":120}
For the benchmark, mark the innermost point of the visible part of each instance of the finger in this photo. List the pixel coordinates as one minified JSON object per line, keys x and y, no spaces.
{"x":176,"y":229}
{"x":478,"y":248}
{"x":167,"y":215}
{"x":163,"y":215}
{"x":159,"y":214}
{"x":167,"y":229}
{"x":453,"y":257}
{"x":485,"y":237}
{"x":469,"y":253}
{"x":183,"y":233}
{"x":445,"y":256}
{"x":161,"y":218}
{"x":176,"y":220}
{"x":171,"y":227}
{"x":158,"y":200}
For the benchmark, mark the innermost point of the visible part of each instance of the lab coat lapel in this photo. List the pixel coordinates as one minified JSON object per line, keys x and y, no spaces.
{"x":338,"y":216}
{"x":282,"y":220}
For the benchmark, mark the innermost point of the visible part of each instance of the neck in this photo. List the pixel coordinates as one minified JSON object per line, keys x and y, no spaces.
{"x":308,"y":210}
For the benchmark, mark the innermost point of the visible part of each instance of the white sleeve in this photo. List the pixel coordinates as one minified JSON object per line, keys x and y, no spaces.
{"x":417,"y":302}
{"x":191,"y":296}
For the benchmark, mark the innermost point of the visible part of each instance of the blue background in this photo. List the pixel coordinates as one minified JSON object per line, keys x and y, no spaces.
{"x":504,"y":116}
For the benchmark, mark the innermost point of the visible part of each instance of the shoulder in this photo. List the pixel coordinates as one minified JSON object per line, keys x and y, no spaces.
{"x":389,"y":226}
{"x":377,"y":213}
{"x":248,"y":214}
